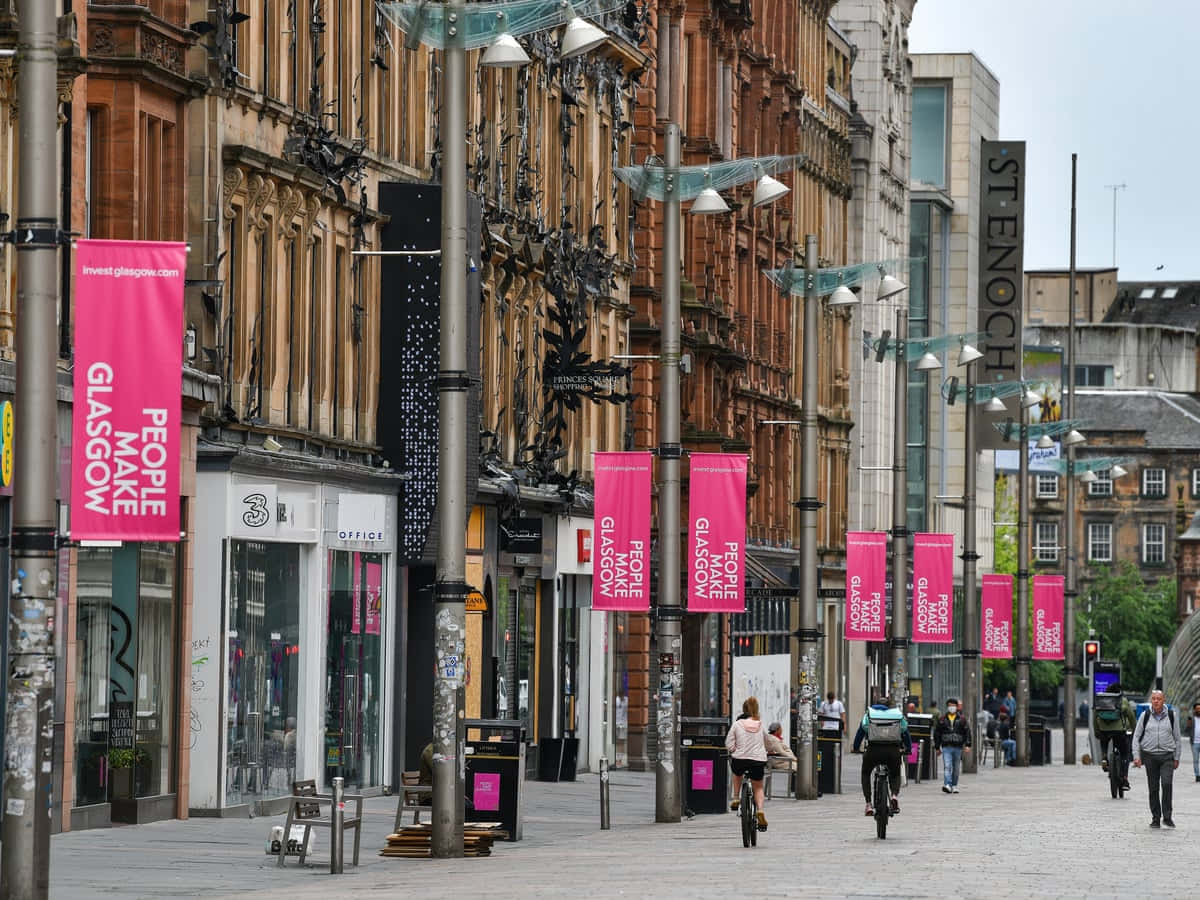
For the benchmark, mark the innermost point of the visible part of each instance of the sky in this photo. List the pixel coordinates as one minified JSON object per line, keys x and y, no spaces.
{"x":1113,"y":81}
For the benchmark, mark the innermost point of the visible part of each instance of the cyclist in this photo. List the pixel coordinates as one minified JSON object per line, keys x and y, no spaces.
{"x":748,"y":756}
{"x":1114,"y":721}
{"x":889,"y":754}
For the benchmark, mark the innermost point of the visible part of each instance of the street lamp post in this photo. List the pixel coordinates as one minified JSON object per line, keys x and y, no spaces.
{"x":456,"y":28}
{"x":898,"y":642}
{"x":1023,"y":658}
{"x":970,"y":648}
{"x":1069,"y":667}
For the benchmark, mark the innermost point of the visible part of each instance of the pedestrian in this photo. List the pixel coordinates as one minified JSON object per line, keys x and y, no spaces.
{"x":951,"y":735}
{"x":1001,"y":728}
{"x":1010,"y":703}
{"x":992,"y":702}
{"x":831,"y":708}
{"x":1156,"y":739}
{"x":1194,"y":733}
{"x":779,"y":754}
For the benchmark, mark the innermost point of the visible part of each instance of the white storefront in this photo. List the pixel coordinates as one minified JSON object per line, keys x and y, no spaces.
{"x":292,"y":639}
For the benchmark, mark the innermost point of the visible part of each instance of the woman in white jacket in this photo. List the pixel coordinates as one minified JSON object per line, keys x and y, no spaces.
{"x":748,"y":755}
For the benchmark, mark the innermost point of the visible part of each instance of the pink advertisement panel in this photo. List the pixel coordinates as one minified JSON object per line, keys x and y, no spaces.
{"x":1048,"y":617}
{"x":128,"y":380}
{"x":487,"y":791}
{"x":996,"y":617}
{"x":717,"y":533}
{"x":702,"y":774}
{"x":621,"y":548}
{"x":374,"y":597}
{"x":933,"y":588}
{"x":866,"y":573}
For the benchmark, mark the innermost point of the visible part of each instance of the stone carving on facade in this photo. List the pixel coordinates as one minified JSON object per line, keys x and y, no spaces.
{"x":100,"y":41}
{"x":162,"y":52}
{"x":290,"y":199}
{"x":311,"y":210}
{"x":231,"y":181}
{"x":259,"y":191}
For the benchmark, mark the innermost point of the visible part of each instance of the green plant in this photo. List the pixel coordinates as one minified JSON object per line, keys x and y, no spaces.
{"x":127,"y":757}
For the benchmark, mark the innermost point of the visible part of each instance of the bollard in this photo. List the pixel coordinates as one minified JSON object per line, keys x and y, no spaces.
{"x":605,"y":822}
{"x":338,"y":814}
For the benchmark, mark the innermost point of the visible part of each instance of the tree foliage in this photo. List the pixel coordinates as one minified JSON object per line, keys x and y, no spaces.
{"x":1130,"y":617}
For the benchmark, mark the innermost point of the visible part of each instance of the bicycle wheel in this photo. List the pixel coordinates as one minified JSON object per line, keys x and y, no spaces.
{"x":1114,"y":771}
{"x":747,"y":813}
{"x":881,"y":802}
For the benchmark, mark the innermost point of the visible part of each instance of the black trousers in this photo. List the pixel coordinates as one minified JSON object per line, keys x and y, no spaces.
{"x":873,"y":756}
{"x":1160,"y":769}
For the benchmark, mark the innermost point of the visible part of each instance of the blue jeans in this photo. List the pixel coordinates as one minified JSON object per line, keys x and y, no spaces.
{"x":1196,"y":759}
{"x":1010,"y":749}
{"x":951,"y":757}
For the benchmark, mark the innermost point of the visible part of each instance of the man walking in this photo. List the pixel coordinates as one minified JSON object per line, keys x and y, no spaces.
{"x":1156,"y":740}
{"x":951,"y":735}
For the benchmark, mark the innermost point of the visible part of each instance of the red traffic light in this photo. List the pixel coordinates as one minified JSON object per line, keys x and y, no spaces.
{"x":1091,"y":650}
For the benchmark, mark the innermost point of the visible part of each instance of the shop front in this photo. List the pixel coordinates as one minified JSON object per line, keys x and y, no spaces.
{"x":290,"y":672}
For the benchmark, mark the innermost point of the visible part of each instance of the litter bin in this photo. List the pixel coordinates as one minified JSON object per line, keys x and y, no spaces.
{"x":1039,"y":741}
{"x":705,"y":763}
{"x":495,"y":769}
{"x":920,"y":729}
{"x":829,"y":761}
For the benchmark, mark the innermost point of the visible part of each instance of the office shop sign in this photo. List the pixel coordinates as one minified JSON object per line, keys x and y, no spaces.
{"x":1001,"y":270}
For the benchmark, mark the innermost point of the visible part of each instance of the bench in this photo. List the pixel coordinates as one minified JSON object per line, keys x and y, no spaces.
{"x":414,"y":796}
{"x":305,"y":809}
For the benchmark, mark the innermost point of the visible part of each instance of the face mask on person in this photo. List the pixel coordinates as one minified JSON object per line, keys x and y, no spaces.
{"x":952,"y":709}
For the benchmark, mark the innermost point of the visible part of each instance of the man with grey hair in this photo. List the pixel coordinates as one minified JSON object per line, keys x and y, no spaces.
{"x":1156,"y":740}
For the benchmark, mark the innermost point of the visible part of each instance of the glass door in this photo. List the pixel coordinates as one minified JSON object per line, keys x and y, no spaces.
{"x":353,"y":664}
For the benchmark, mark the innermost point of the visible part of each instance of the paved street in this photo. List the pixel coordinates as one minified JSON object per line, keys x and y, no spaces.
{"x":1048,"y":831}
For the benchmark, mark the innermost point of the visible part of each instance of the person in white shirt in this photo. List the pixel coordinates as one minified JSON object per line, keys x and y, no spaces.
{"x":831,"y":709}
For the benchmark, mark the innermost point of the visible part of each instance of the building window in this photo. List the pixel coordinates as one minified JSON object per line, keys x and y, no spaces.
{"x":1045,"y":542}
{"x":1154,"y":543}
{"x":1154,"y":482}
{"x":1196,"y":482}
{"x":1099,"y":547}
{"x":929,"y":134}
{"x":1047,"y":486}
{"x":1093,"y":376}
{"x":764,"y":628}
{"x":1102,"y":486}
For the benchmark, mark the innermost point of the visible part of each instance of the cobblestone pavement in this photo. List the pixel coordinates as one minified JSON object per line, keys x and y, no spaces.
{"x":1050,"y":831}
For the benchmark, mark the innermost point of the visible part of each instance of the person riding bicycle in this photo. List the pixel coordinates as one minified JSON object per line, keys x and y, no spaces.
{"x":1114,"y":720}
{"x":889,"y":751}
{"x":748,"y":756}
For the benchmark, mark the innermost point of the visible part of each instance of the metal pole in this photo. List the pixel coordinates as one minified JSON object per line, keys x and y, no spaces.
{"x":1023,"y":652}
{"x":970,"y":651}
{"x":666,"y":781}
{"x":605,"y":820}
{"x":337,"y":829}
{"x":898,"y":646}
{"x":1068,"y":410}
{"x":25,"y":843}
{"x":809,"y":635}
{"x":450,"y":592}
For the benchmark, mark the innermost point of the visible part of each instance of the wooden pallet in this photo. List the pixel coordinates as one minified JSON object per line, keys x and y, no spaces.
{"x":414,"y":841}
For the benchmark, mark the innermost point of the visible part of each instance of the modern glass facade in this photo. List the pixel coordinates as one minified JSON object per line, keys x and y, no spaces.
{"x":126,"y":635}
{"x":929,"y":134}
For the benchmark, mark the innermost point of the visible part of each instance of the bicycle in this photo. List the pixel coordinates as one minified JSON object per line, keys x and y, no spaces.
{"x":1116,"y":782}
{"x":748,"y":813}
{"x":881,"y":800}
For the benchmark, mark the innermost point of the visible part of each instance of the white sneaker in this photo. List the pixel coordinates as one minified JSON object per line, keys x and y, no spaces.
{"x":954,"y":790}
{"x":945,"y":788}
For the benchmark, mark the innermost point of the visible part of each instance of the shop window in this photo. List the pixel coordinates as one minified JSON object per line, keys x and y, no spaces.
{"x":264,"y":669}
{"x":354,"y":668}
{"x":125,"y":636}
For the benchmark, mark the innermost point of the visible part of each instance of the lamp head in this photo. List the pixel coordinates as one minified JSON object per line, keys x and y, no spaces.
{"x":928,"y":362}
{"x":768,"y":190}
{"x":1117,"y":471}
{"x":995,"y":405}
{"x":1030,"y":399}
{"x":1045,"y":442}
{"x":579,"y":37}
{"x":890,"y":286}
{"x":708,"y":201}
{"x":842,"y":296}
{"x":1088,"y":477}
{"x":968,"y":354}
{"x":1073,"y":437}
{"x":504,"y":53}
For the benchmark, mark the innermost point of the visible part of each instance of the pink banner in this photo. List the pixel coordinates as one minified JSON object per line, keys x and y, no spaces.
{"x":128,"y":381}
{"x":995,"y":617}
{"x":356,"y":592}
{"x":621,"y":552}
{"x":717,"y":533}
{"x":1048,"y":617}
{"x":866,"y":573}
{"x":374,"y":597}
{"x":933,"y":588}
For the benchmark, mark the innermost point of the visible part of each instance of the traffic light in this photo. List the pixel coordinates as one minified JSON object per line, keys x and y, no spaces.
{"x":1091,"y":650}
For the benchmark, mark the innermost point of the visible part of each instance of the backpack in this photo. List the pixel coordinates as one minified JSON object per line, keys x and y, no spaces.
{"x":1146,"y":718}
{"x":883,"y":731}
{"x":1108,"y":707}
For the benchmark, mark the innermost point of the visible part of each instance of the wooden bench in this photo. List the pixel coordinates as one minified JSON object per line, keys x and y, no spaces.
{"x":414,"y":796}
{"x":305,"y":809}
